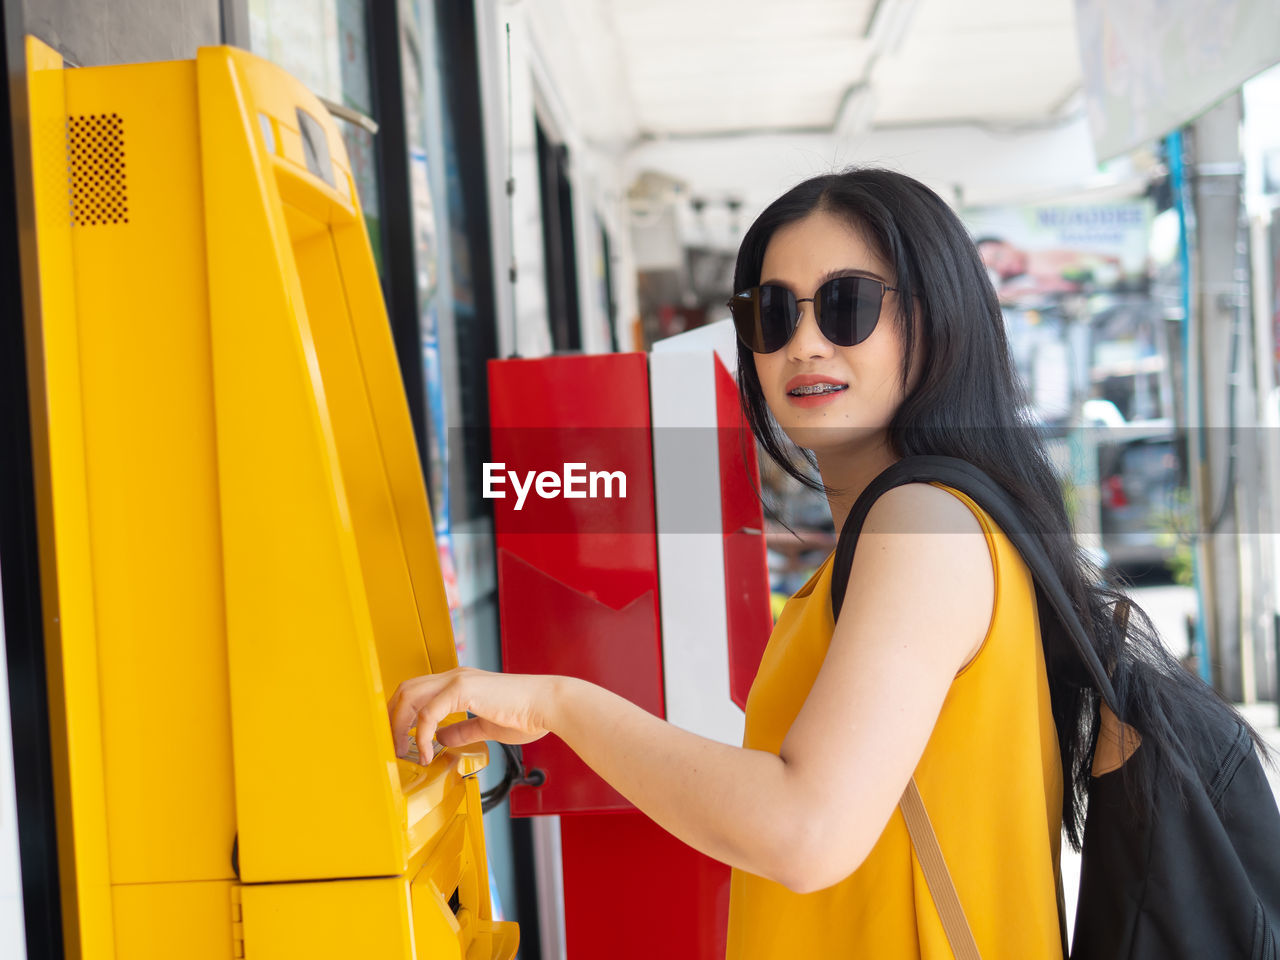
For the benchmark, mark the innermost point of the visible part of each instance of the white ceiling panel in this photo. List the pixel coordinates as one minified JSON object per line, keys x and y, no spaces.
{"x":710,"y":66}
{"x":629,"y":70}
{"x":996,"y":61}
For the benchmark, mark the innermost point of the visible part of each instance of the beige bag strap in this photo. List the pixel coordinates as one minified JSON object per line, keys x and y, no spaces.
{"x":937,"y":876}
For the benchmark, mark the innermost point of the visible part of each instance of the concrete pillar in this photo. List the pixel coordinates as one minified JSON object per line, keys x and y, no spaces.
{"x":1226,"y":467}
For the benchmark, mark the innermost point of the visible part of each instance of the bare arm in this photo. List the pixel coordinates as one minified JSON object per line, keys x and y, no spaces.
{"x":918,"y":606}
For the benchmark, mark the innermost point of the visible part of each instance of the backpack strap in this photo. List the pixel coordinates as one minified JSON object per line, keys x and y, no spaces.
{"x":943,"y":889}
{"x":973,"y":482}
{"x":937,"y":876}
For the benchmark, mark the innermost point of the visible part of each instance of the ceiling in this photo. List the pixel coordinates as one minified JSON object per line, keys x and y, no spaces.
{"x":636,"y":70}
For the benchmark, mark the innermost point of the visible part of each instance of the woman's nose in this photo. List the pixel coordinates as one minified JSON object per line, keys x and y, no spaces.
{"x":808,"y":340}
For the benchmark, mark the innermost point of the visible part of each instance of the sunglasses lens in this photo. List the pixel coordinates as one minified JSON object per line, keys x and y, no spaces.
{"x":849,"y":309}
{"x":765,"y":318}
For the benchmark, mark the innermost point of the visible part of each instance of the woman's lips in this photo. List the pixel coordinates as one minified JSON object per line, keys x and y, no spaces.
{"x":815,"y":399}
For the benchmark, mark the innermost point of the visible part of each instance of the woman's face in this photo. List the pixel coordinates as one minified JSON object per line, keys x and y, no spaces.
{"x":802,"y":256}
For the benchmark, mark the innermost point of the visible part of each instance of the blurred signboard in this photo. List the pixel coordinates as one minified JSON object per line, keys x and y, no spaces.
{"x":1152,"y":65}
{"x":1060,"y":270}
{"x":1036,"y":251}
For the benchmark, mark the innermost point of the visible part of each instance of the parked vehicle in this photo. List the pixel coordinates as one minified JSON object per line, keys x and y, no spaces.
{"x":1144,"y":511}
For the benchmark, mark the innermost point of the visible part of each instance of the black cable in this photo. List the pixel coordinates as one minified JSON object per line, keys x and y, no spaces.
{"x":514,"y":775}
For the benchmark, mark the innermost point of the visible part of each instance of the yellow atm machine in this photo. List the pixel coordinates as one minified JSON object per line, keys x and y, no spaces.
{"x":237,"y":553}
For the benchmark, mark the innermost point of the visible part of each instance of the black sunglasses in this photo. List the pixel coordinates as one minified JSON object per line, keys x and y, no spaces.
{"x":846,"y":308}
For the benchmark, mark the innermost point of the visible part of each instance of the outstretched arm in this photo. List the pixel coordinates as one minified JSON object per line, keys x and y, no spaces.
{"x":918,"y":606}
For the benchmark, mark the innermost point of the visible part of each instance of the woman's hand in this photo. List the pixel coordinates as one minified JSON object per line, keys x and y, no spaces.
{"x":509,"y":708}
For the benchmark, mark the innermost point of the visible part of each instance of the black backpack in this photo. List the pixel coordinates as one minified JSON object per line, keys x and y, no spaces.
{"x":1194,"y":879}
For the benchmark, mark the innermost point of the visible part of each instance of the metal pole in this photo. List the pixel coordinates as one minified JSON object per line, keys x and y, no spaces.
{"x":1217,"y":352}
{"x":1193,"y":414}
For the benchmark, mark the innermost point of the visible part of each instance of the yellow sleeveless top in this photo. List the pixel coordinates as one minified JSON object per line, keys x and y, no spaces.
{"x":990,"y":778}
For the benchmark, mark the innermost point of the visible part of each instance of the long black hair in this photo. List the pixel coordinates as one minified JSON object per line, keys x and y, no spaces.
{"x":966,"y":401}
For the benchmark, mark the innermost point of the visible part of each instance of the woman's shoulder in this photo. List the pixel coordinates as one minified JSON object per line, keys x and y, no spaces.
{"x":925,"y":508}
{"x":927,"y":544}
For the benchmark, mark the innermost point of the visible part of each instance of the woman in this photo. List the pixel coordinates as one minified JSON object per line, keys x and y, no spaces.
{"x":868,"y":331}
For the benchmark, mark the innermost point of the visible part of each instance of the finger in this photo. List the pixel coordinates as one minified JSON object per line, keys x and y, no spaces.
{"x":414,"y":695}
{"x":464,"y":732}
{"x":429,"y":718}
{"x":439,"y":694}
{"x":402,"y":719}
{"x":407,"y":693}
{"x":400,"y":712}
{"x":394,"y":701}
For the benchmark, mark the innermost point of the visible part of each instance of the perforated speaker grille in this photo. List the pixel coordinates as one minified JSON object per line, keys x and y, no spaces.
{"x":95,"y":150}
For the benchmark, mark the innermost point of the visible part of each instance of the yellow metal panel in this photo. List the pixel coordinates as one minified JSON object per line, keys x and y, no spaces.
{"x":438,"y":931}
{"x":263,"y":87}
{"x":454,"y":870}
{"x":142,"y":307}
{"x":490,"y":939}
{"x":339,"y":920}
{"x":476,"y":855}
{"x":374,"y":523}
{"x":63,"y":523}
{"x":386,"y":397}
{"x":434,"y":794}
{"x":290,"y":146}
{"x":495,"y":941}
{"x":300,"y":633}
{"x":165,"y":921}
